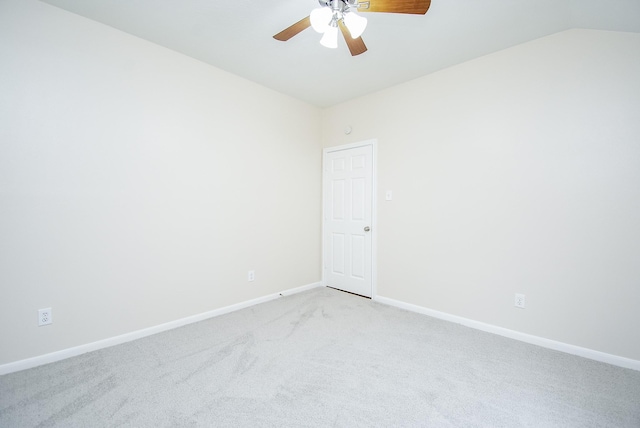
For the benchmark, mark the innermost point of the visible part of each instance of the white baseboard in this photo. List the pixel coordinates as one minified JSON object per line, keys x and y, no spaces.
{"x":128,"y":337}
{"x":512,"y":334}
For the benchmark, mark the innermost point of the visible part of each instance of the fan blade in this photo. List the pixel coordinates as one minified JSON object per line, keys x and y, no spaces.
{"x":356,"y":46}
{"x":416,"y":7}
{"x":294,"y":29}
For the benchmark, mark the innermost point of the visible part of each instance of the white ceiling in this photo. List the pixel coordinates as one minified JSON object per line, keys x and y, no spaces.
{"x":236,"y":36}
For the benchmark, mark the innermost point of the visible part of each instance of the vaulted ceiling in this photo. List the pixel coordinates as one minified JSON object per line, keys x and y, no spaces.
{"x":236,"y":36}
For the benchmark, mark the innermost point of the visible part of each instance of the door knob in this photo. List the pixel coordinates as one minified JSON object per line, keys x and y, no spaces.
{"x":367,"y":228}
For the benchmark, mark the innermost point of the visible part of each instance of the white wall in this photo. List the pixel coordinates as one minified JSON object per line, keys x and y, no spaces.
{"x":518,"y":172}
{"x":138,"y":186}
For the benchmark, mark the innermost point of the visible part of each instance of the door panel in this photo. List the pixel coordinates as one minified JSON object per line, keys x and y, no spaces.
{"x":348,"y":208}
{"x":358,"y":208}
{"x":338,"y":200}
{"x":338,"y":254}
{"x":358,"y":255}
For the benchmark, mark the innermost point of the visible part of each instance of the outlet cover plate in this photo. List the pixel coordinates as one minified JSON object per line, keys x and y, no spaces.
{"x":519,"y":301}
{"x":45,"y":316}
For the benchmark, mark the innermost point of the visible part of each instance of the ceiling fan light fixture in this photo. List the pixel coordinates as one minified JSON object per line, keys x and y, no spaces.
{"x":355,"y":23}
{"x":330,"y":38}
{"x":321,"y":18}
{"x":339,"y":14}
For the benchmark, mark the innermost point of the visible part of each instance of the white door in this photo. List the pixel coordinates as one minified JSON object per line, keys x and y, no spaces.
{"x":348,"y":206}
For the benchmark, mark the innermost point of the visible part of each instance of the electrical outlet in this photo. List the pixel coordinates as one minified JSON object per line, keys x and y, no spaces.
{"x":251,"y":276}
{"x":519,"y":302}
{"x":45,"y":316}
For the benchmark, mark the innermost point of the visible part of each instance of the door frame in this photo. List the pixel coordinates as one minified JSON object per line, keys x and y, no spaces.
{"x":374,"y":204}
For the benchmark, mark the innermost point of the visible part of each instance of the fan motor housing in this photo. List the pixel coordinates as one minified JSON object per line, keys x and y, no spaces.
{"x":327,"y":3}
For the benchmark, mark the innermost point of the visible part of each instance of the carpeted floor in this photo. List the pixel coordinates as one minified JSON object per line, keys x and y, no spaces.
{"x":322,"y":358}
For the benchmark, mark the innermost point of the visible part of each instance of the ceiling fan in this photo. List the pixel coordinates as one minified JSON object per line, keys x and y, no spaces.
{"x":340,"y":14}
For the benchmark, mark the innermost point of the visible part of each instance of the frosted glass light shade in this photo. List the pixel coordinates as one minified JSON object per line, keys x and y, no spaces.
{"x":355,"y":23}
{"x":330,"y":38}
{"x":320,"y":19}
